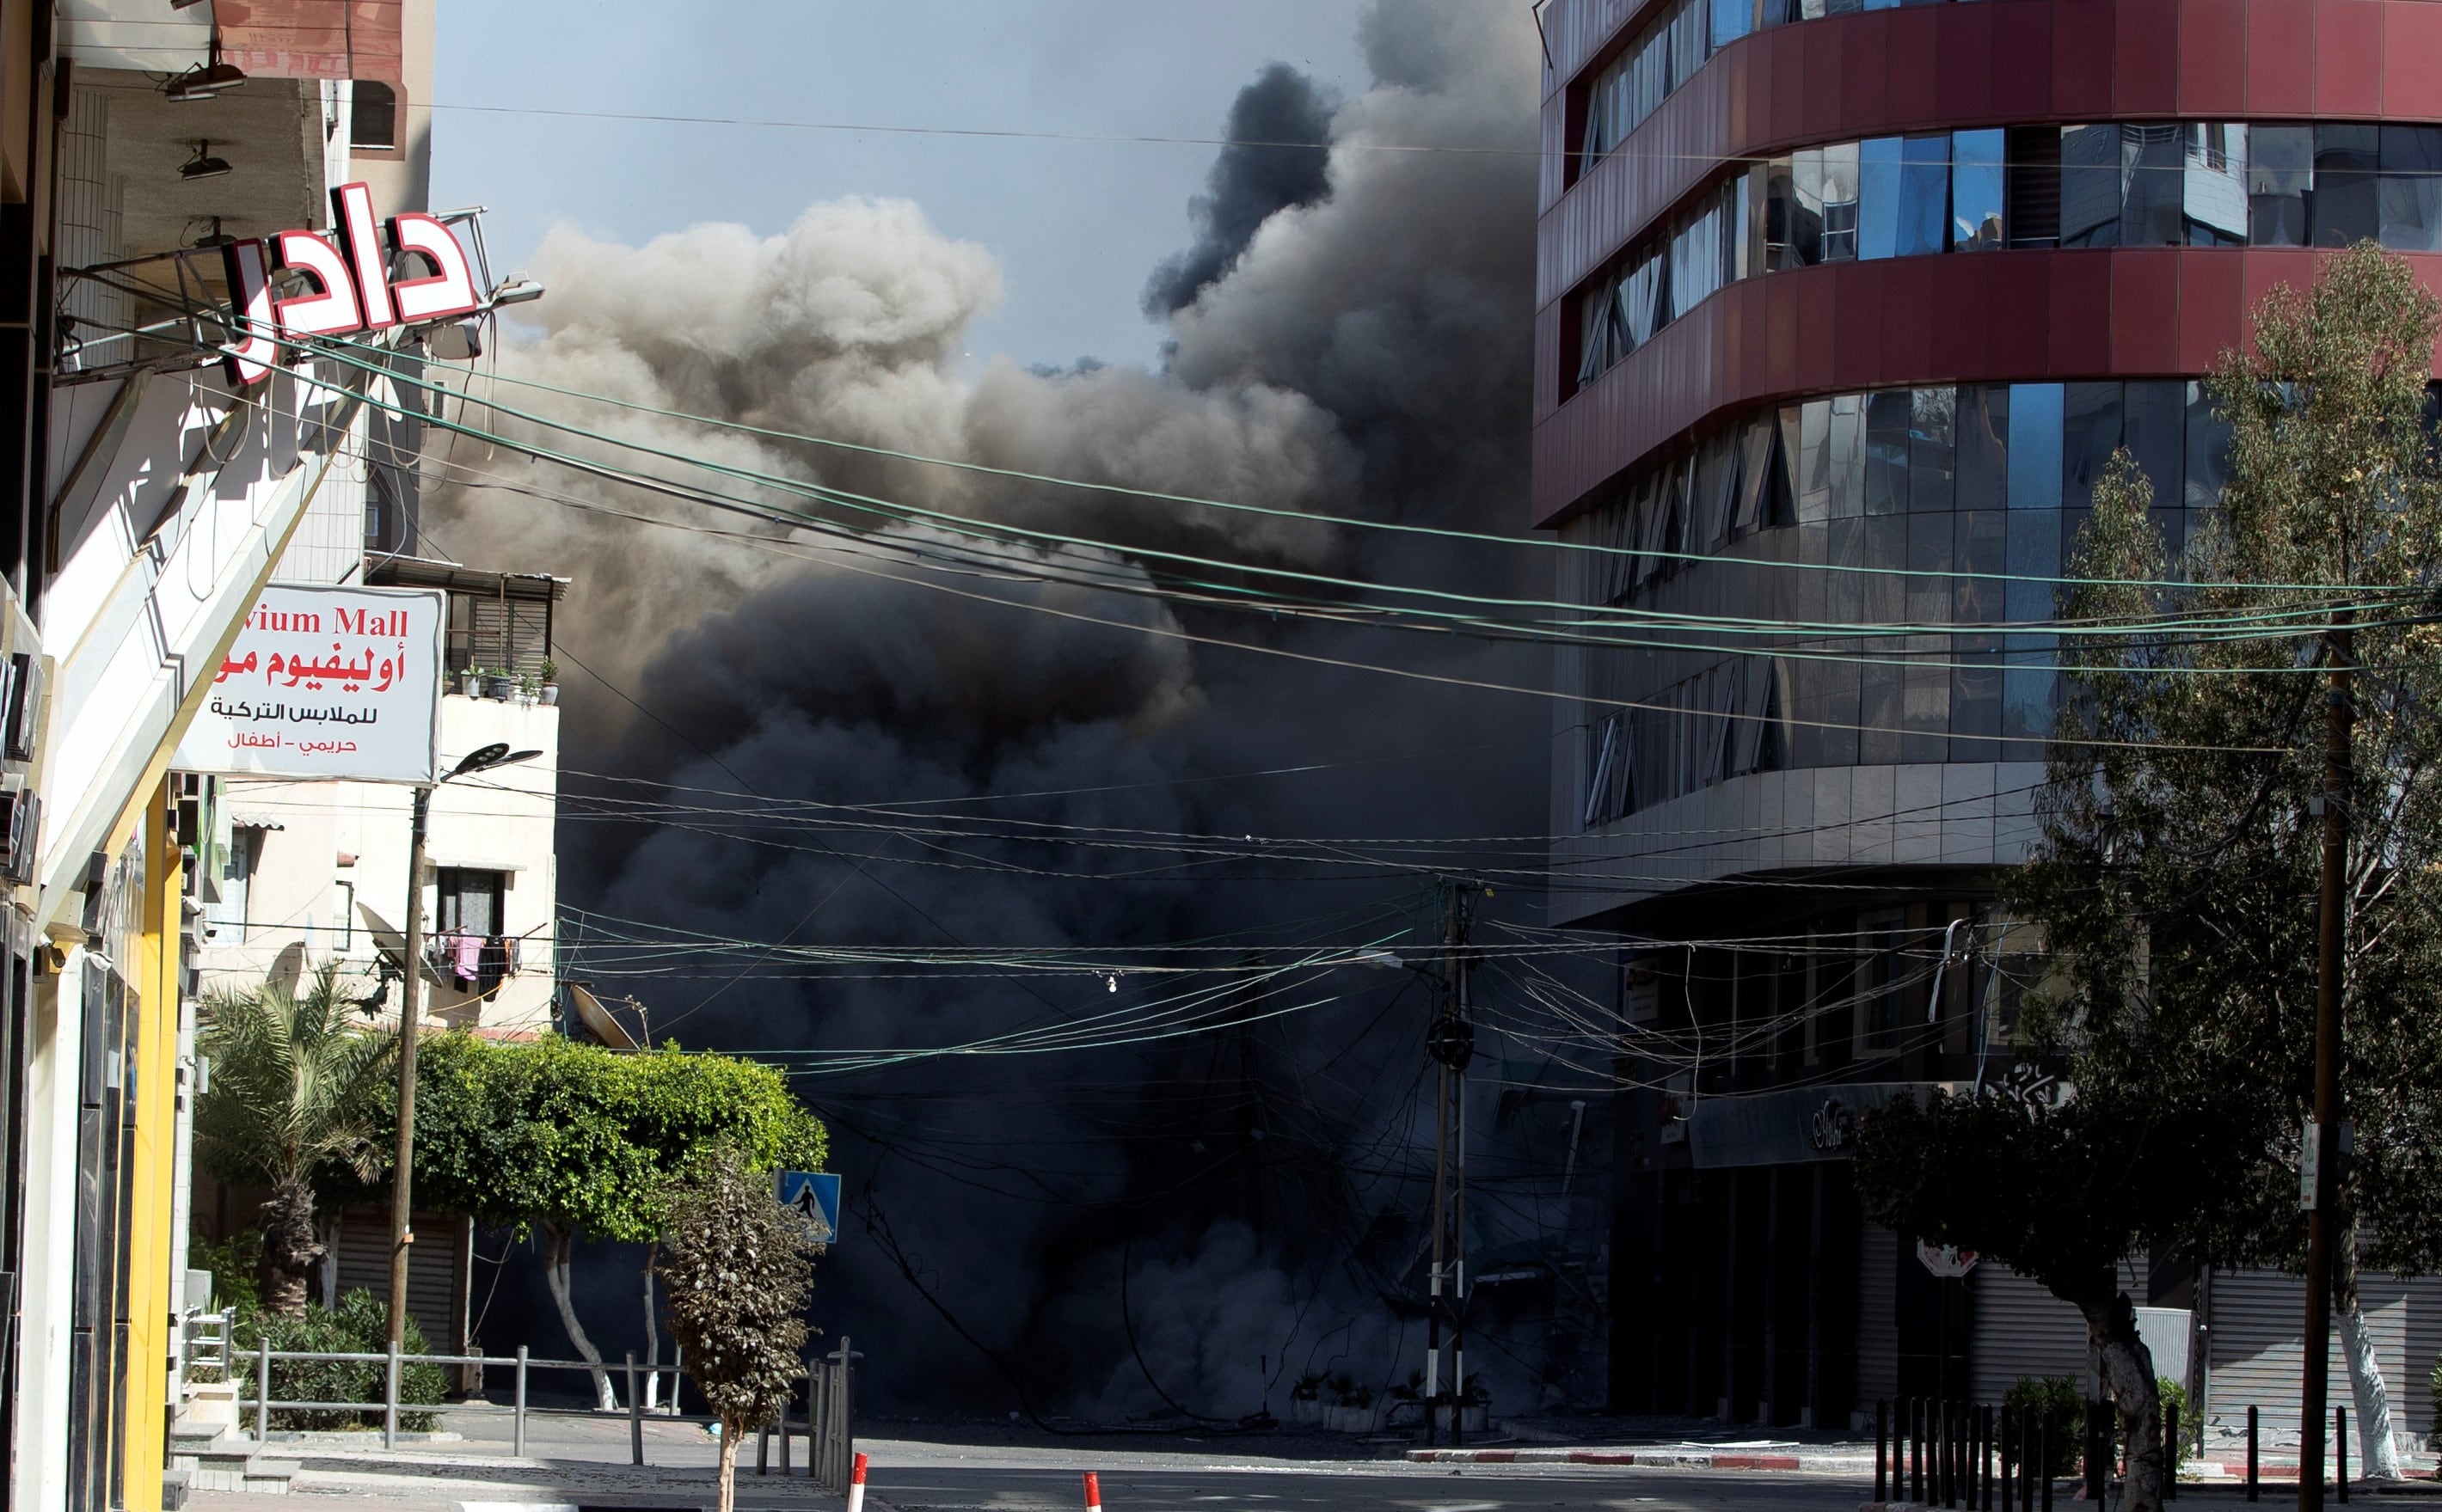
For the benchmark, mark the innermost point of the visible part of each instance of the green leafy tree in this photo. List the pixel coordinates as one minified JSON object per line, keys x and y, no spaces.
{"x":579,"y":1141}
{"x":298,"y":1094}
{"x":2176,"y":875}
{"x":2184,"y":873}
{"x":740,"y":1269}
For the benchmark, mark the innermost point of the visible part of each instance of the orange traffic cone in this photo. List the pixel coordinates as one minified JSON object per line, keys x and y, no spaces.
{"x":1093,"y":1492}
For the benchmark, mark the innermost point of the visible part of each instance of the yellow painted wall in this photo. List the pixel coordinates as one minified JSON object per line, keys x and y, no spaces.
{"x":150,"y":1171}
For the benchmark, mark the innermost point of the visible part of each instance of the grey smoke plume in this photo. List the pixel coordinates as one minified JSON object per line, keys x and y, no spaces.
{"x":1359,"y":352}
{"x":1254,"y":178}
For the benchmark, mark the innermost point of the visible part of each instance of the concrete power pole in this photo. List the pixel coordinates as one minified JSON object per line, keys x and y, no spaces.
{"x":1450,"y":1042}
{"x":2323,"y":1197}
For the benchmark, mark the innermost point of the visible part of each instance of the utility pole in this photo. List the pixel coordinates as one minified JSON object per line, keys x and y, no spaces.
{"x":1452,"y":1044}
{"x":402,"y":1197}
{"x":2324,"y":1197}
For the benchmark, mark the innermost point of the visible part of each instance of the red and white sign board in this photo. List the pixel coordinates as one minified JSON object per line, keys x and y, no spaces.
{"x":1949,"y":1262}
{"x":337,"y":683}
{"x":349,"y":284}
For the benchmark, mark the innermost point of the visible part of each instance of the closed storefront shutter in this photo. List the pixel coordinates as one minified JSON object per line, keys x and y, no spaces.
{"x":1878,"y":1365}
{"x":2257,"y":1321}
{"x":2021,"y":1329}
{"x":435,"y":1285}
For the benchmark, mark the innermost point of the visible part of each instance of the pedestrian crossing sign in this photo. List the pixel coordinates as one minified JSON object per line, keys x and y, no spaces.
{"x":815,"y":1196}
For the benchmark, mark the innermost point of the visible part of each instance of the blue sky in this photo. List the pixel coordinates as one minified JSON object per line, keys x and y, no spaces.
{"x":1077,"y":226}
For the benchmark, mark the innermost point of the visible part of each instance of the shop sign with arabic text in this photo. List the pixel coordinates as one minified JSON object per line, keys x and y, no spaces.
{"x":330,"y":683}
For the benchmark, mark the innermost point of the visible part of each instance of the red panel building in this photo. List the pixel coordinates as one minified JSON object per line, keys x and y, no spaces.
{"x":1842,"y":306}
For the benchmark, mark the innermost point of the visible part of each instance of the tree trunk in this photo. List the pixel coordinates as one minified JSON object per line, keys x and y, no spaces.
{"x":556,"y":1272}
{"x":729,"y":1437}
{"x":652,"y":1338}
{"x":2128,"y":1376}
{"x":291,"y":1248}
{"x":2379,"y":1458}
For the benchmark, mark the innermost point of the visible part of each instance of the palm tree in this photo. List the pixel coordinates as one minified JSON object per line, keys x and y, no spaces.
{"x":295,"y":1090}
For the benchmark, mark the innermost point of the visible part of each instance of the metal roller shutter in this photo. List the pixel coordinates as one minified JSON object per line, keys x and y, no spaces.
{"x":2257,"y":1323}
{"x":2021,"y":1329}
{"x":1878,"y":1364}
{"x":434,"y":1282}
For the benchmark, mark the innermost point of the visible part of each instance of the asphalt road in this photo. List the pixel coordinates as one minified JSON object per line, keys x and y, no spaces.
{"x":1165,"y":1483}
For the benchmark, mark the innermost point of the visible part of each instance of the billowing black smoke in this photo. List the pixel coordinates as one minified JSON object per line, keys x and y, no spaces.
{"x":1254,"y":1194}
{"x":1257,"y":175}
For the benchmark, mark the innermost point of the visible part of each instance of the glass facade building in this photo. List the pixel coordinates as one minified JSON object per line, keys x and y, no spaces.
{"x":1841,"y":310}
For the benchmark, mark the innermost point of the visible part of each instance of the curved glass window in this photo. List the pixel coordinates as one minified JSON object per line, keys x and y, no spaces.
{"x":2149,"y":183}
{"x":1963,"y":500}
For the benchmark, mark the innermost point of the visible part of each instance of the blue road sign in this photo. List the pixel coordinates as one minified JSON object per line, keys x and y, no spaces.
{"x":814,"y":1195}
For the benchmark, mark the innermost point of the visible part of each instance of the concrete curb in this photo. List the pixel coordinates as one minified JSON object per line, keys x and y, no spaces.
{"x":1677,"y":1459}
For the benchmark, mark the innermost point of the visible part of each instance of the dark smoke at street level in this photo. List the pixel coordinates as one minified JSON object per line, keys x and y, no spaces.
{"x":1350,"y":335}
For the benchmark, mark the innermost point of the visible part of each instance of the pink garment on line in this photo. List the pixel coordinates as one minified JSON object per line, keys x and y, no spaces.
{"x":467,"y":952}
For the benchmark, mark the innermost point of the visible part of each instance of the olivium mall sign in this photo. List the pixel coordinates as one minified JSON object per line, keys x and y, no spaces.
{"x":349,"y":279}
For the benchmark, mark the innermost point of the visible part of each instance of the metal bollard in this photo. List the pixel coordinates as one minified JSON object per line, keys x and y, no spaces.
{"x":2009,"y":1444}
{"x":1882,"y":1431}
{"x":1916,"y":1449}
{"x":262,"y":1391}
{"x":2170,"y":1452}
{"x":2044,"y":1455}
{"x":783,"y":1425}
{"x":390,"y":1399}
{"x":519,"y":1413}
{"x":763,"y":1451}
{"x":636,"y":1415}
{"x":2341,"y":1445}
{"x":2252,"y":1467}
{"x":2098,"y":1468}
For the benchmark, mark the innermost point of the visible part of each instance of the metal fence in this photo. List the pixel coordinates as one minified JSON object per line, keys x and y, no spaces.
{"x":830,"y":1445}
{"x":830,"y":1448}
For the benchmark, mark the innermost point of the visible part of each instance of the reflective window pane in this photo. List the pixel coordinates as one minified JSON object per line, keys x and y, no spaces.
{"x":2090,"y":185}
{"x":2208,"y":451}
{"x":2090,"y":434}
{"x":2154,"y":164}
{"x":1932,"y":451}
{"x":2035,"y":446}
{"x":2214,"y":197}
{"x":1841,"y":174}
{"x":1731,"y":20}
{"x":1983,"y":432}
{"x":1848,"y":455}
{"x":2154,"y":427}
{"x":1785,"y":231}
{"x":2409,"y":198}
{"x":2034,"y":210}
{"x":1814,"y":461}
{"x":1888,"y":414}
{"x":2035,"y":558}
{"x":2344,"y":208}
{"x":1881,"y":167}
{"x":1975,"y":188}
{"x":2280,"y":179}
{"x":1924,"y":196}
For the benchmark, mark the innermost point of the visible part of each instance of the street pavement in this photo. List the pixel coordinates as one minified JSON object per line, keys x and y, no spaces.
{"x":928,"y":1477}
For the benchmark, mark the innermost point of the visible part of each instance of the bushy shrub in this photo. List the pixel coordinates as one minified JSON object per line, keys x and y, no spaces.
{"x":2175,"y":1398}
{"x":360,"y":1325}
{"x":236,"y":1264}
{"x":2062,"y":1409}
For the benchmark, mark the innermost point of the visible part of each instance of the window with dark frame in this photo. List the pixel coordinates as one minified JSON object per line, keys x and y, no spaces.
{"x":372,"y":116}
{"x":472,"y":899}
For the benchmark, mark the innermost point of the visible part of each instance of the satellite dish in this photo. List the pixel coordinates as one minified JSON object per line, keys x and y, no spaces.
{"x":597,"y":1020}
